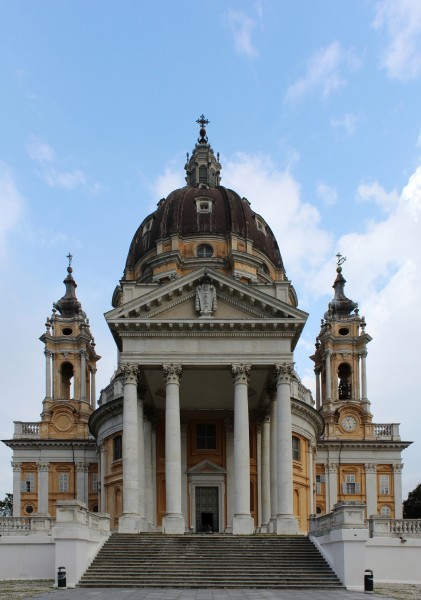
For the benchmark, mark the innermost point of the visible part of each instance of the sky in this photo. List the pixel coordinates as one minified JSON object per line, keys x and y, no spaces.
{"x":315,"y":108}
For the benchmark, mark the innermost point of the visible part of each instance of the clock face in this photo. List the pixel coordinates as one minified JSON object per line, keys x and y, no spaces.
{"x":349,"y":423}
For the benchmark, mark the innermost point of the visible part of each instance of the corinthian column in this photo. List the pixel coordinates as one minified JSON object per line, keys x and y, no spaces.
{"x":243,"y":522}
{"x":130,"y":521}
{"x":17,"y":468}
{"x":397,"y":486}
{"x":47,"y":354}
{"x":93,"y":387}
{"x":173,"y":521}
{"x":286,"y":523}
{"x":265,"y":480}
{"x":43,"y":468}
{"x":328,"y":377}
{"x":83,"y":375}
{"x":273,"y":458}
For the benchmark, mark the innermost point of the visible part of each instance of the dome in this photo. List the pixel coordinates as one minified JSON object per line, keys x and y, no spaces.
{"x":192,"y":211}
{"x":204,"y":224}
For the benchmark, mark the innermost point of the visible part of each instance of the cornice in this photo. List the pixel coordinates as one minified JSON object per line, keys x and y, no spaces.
{"x":302,"y":409}
{"x":113,"y":407}
{"x":343,"y":444}
{"x":38,"y":443}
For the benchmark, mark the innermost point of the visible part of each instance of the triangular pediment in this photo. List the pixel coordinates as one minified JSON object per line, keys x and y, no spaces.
{"x":206,"y":467}
{"x":232,"y":300}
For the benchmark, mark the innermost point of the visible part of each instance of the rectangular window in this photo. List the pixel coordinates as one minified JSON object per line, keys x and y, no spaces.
{"x":28,"y":485}
{"x":319,"y":480}
{"x":206,"y":436}
{"x":350,"y":486}
{"x":384,"y":484}
{"x":95,"y":483}
{"x":118,"y":447}
{"x":63,"y":482}
{"x":295,"y":448}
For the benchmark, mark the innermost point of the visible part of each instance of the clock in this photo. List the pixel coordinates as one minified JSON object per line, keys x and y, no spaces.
{"x":349,"y":423}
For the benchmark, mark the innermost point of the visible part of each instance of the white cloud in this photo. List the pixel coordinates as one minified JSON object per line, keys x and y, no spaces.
{"x":324,"y":73}
{"x":11,"y":206}
{"x":401,"y":19}
{"x":374,"y":191}
{"x":327,"y":194}
{"x":172,"y":179}
{"x":242,"y":26}
{"x":348,"y":123}
{"x":54,"y":173}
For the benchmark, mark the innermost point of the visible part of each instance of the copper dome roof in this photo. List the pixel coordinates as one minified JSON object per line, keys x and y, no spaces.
{"x":229,"y":214}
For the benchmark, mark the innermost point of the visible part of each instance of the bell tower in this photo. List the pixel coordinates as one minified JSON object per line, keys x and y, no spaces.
{"x":70,"y":367}
{"x":340,"y":363}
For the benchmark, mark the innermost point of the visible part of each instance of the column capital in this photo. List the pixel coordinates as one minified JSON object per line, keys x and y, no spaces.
{"x":16,"y":466}
{"x":93,"y":369}
{"x":47,"y":352}
{"x":83,"y":352}
{"x":331,"y":467}
{"x":82,"y":467}
{"x":43,"y":466}
{"x":370,"y":468}
{"x":264,"y":416}
{"x":130,"y":373}
{"x":240,"y":373}
{"x":363,"y":353}
{"x":398,"y":468}
{"x":172,"y":373}
{"x":283,"y":373}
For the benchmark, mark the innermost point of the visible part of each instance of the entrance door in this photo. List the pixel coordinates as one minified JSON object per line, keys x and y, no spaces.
{"x":207,"y":509}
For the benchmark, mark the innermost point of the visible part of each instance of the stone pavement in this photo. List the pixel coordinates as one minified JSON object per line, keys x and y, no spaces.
{"x":206,"y":594}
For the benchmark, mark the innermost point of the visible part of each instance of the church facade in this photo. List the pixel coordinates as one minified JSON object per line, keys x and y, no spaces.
{"x":206,"y":425}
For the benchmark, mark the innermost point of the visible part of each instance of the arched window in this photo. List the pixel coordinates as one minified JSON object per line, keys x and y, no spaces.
{"x":204,"y":251}
{"x":66,"y":380}
{"x":296,"y":448}
{"x":344,"y":381}
{"x":385,"y":511}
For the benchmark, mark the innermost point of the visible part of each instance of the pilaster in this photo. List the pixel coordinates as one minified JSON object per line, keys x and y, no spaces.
{"x":17,"y":468}
{"x":43,"y":471}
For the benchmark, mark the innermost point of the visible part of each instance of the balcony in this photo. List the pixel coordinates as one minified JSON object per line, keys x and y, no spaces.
{"x":25,"y":429}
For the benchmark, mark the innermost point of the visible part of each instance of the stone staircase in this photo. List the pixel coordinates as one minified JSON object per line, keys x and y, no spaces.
{"x":209,"y":561}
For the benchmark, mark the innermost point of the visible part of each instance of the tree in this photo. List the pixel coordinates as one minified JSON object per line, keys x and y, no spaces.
{"x":412,"y":506}
{"x":6,"y":506}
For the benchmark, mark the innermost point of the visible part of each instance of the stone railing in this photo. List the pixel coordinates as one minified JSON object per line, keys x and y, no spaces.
{"x":345,"y":515}
{"x":112,"y":391}
{"x":26,"y":429}
{"x":388,"y":431}
{"x":385,"y":527}
{"x":75,"y":513}
{"x":25,"y":525}
{"x":300,"y":392}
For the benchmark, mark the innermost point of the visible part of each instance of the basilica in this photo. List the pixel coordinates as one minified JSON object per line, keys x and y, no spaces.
{"x":206,"y":425}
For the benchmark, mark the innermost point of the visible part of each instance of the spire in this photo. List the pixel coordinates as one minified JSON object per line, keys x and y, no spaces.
{"x":69,"y":306}
{"x":202,"y":168}
{"x":340,"y":306}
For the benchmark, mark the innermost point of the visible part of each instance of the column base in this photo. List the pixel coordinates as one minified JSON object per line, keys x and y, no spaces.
{"x":286,"y":525}
{"x":264,"y":528}
{"x":272,"y":525}
{"x":242,"y":525}
{"x":132,"y":523}
{"x":173,"y":524}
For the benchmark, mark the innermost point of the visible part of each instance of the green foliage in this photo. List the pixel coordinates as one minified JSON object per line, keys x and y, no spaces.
{"x":412,"y":506}
{"x":6,"y":506}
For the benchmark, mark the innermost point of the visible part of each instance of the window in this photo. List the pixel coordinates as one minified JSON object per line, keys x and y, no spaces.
{"x":204,"y":251}
{"x":147,"y":227}
{"x":296,"y":448}
{"x":385,"y":511}
{"x":118,"y":447}
{"x":95,"y":483}
{"x":29,"y":509}
{"x":204,"y":205}
{"x":384,"y":484}
{"x":319,"y":480}
{"x":206,"y":436}
{"x":192,"y":176}
{"x":261,"y":226}
{"x":203,"y":174}
{"x":28,"y":485}
{"x":63,"y":482}
{"x":350,"y":486}
{"x":344,"y":377}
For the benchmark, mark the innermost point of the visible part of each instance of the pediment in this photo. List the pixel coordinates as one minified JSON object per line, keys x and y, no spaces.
{"x":206,"y":467}
{"x":228,"y":299}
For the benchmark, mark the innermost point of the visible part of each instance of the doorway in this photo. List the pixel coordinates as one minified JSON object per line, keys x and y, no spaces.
{"x":207,"y":509}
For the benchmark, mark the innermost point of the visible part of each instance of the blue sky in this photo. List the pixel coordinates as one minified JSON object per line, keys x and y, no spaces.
{"x":315,"y":110}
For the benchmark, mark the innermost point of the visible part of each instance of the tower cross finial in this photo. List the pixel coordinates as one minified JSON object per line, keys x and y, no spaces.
{"x":341,"y":259}
{"x":70,"y":257}
{"x":202,"y":120}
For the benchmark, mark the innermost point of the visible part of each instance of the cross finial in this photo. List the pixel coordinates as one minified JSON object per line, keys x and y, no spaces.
{"x":202,"y":120}
{"x":70,"y":257}
{"x":341,"y":259}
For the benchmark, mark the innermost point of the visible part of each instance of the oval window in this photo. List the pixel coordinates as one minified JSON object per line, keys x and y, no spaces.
{"x":67,"y":331}
{"x":29,"y":510}
{"x":343,"y":331}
